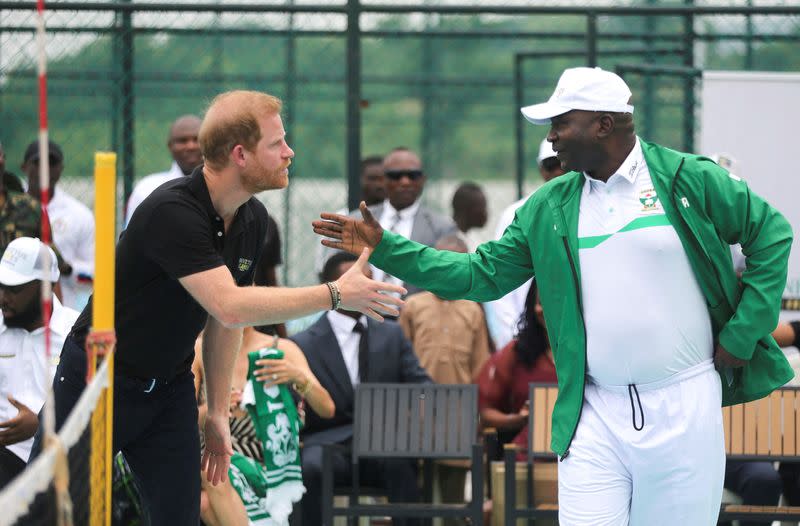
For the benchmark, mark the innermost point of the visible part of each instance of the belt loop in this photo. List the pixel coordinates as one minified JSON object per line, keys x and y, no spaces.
{"x":632,"y":389}
{"x":153,"y":384}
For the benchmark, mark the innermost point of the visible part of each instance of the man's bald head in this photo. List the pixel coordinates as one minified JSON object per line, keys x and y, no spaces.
{"x":182,"y":142}
{"x":231,"y":119}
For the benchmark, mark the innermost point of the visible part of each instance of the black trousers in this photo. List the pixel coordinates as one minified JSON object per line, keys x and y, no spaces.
{"x":758,"y":483}
{"x":155,"y":426}
{"x":10,"y":466}
{"x":397,"y":476}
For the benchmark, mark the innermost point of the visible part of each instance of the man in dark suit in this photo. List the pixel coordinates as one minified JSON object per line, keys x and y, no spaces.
{"x":338,"y":358}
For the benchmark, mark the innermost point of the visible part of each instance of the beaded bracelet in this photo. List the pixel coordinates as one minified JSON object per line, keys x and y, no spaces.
{"x":336,"y":295}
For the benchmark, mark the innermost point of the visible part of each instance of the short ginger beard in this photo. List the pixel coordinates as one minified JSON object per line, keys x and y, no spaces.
{"x":256,"y":180}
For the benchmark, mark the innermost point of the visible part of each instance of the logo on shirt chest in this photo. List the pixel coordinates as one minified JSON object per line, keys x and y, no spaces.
{"x":244,"y":264}
{"x":649,"y":200}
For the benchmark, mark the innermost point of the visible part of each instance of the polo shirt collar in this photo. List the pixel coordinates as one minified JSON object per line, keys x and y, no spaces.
{"x":198,"y":187}
{"x":628,"y":170}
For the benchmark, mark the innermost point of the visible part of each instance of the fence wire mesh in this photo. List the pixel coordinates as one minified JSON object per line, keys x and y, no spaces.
{"x":436,"y":80}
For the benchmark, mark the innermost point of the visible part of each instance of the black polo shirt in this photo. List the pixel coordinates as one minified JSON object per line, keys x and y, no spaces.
{"x":175,"y":232}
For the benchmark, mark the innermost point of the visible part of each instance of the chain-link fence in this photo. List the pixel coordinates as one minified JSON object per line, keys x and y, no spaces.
{"x":442,"y":78}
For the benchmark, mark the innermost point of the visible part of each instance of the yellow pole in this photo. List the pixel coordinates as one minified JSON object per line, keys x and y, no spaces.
{"x":105,"y":186}
{"x":105,"y":220}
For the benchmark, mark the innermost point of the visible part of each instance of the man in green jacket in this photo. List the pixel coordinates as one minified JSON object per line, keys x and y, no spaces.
{"x":650,"y":328}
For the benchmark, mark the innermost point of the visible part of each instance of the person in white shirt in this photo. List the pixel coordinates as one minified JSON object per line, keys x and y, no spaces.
{"x":25,"y":371}
{"x":185,"y":150}
{"x":503,"y":315}
{"x":72,"y":224}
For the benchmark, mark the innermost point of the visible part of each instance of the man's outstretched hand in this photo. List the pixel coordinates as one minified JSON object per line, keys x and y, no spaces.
{"x":349,"y":234}
{"x":362,"y":294}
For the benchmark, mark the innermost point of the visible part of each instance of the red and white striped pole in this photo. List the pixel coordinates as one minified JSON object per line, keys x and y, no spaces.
{"x":44,"y":190}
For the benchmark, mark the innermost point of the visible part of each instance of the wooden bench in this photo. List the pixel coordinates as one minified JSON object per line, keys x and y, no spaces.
{"x":763,"y":430}
{"x":542,"y":398}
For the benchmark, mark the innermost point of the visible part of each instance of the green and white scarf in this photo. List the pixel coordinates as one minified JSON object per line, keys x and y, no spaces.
{"x":277,"y":425}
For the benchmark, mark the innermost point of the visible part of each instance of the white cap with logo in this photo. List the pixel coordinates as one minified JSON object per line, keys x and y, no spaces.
{"x":24,"y":261}
{"x":588,"y":89}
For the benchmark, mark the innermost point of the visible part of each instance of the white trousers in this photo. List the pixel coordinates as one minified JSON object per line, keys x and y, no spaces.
{"x":670,"y":472}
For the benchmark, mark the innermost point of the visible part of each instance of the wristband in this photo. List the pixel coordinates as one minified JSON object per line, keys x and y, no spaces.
{"x":336,"y":295}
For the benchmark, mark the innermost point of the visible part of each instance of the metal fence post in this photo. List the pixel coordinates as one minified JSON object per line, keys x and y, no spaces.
{"x":353,"y":103}
{"x":591,"y":39}
{"x":519,"y":131}
{"x":290,"y":111}
{"x":126,"y":93}
{"x":688,"y":84}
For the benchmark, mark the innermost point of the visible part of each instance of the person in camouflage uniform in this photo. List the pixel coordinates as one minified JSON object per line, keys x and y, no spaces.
{"x":20,"y":216}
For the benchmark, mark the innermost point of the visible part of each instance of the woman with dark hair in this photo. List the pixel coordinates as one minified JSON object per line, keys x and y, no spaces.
{"x":503,"y":380}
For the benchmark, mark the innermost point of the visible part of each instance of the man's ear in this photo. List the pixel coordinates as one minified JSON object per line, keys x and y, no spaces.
{"x":237,"y":155}
{"x":605,"y":125}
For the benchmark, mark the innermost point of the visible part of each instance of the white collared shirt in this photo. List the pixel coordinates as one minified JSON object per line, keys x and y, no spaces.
{"x":24,"y":370}
{"x":645,"y":315}
{"x":348,"y":340}
{"x":146,"y":186}
{"x":400,"y":222}
{"x":73,"y":234}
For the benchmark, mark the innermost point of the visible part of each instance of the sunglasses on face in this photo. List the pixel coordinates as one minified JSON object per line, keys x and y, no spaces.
{"x":396,"y":175}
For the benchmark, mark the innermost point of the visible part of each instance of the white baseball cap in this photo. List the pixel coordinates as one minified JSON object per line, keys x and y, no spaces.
{"x":24,"y":261}
{"x":545,"y":151}
{"x":589,"y":89}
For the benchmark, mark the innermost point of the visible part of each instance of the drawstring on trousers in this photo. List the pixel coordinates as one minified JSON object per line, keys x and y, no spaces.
{"x":632,"y":389}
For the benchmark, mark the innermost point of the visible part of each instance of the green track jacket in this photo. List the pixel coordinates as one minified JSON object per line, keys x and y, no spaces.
{"x":709,"y":209}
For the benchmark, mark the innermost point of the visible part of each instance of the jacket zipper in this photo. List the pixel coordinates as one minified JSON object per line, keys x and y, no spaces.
{"x":585,"y":357}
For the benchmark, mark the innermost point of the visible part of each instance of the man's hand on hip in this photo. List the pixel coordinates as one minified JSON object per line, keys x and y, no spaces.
{"x":349,"y":234}
{"x":723,"y":358}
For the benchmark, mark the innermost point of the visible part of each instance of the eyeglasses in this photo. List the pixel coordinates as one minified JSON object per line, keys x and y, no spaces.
{"x":396,"y":175}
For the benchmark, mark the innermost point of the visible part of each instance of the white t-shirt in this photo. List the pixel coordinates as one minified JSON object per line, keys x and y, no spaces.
{"x":24,"y":370}
{"x":502,"y":315}
{"x":73,"y":234}
{"x":645,"y":315}
{"x":146,"y":186}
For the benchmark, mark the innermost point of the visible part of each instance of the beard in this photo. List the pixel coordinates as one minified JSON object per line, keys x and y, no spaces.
{"x":28,"y":319}
{"x":258,"y":179}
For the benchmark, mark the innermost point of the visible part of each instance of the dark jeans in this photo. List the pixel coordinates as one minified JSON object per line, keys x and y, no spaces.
{"x":10,"y":466}
{"x":758,"y":483}
{"x":155,"y":430}
{"x":398,"y":477}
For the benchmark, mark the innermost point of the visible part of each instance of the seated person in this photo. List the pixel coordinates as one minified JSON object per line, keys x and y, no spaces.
{"x":223,"y":504}
{"x":25,"y":371}
{"x":341,"y":358}
{"x":503,"y":380}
